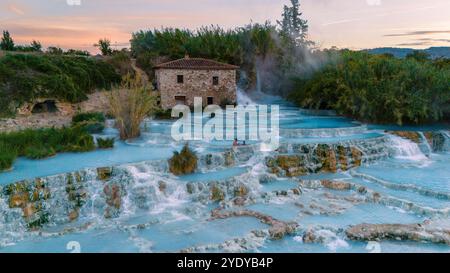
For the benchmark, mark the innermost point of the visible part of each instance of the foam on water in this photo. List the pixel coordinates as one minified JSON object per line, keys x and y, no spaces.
{"x":408,"y":150}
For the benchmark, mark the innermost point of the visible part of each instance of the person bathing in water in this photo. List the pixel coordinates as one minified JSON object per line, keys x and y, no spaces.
{"x":236,"y":143}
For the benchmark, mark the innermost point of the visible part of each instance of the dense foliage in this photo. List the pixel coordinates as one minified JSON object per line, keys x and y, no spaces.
{"x":105,"y":143}
{"x":25,"y":77}
{"x":268,"y":52}
{"x":104,"y":46}
{"x":92,"y":116}
{"x":380,"y":88}
{"x":93,"y":123}
{"x":36,"y":144}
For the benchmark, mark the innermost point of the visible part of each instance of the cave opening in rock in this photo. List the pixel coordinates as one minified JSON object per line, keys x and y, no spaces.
{"x":48,"y":106}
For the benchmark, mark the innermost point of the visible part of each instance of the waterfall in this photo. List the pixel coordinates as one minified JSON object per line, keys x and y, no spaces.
{"x":446,"y":135}
{"x":406,"y":149}
{"x":425,"y":145}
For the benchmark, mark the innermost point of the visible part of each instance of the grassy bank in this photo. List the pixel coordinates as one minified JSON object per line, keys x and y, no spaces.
{"x":43,"y":143}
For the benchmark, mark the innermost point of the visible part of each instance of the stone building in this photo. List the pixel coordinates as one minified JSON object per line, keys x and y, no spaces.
{"x":181,"y":80}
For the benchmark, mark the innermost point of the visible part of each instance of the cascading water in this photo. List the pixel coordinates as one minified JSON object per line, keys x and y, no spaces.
{"x":343,"y":175}
{"x":447,"y":140}
{"x":406,"y":149}
{"x":425,"y":145}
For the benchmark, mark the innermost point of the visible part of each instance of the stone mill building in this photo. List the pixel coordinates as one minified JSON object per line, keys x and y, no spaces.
{"x":179,"y":81}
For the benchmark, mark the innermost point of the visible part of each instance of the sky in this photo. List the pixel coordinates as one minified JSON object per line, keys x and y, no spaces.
{"x":354,"y":24}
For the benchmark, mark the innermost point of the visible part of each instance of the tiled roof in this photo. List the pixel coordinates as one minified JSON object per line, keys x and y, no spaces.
{"x":196,"y":64}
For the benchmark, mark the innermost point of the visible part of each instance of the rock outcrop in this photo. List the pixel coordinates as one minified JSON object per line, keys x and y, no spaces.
{"x":414,"y":232}
{"x":278,"y":229}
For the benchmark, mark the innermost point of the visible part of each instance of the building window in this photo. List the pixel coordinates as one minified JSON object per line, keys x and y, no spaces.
{"x":180,"y":100}
{"x":215,"y":80}
{"x":180,"y":79}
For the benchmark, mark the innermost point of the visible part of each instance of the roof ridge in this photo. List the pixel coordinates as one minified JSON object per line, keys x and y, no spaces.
{"x":195,"y":63}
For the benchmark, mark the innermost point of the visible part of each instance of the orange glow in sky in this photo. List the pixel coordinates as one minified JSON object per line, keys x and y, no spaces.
{"x":353,"y":24}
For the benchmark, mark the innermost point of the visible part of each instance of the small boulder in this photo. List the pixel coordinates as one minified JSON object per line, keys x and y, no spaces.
{"x":104,"y":173}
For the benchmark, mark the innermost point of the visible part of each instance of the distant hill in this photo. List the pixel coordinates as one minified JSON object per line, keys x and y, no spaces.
{"x":435,"y":52}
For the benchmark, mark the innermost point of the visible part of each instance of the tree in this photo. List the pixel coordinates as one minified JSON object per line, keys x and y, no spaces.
{"x":7,"y":42}
{"x":55,"y":50}
{"x":293,"y":25}
{"x":105,"y":46}
{"x":36,"y":46}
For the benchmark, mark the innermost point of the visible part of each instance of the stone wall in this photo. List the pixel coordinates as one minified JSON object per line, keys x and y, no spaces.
{"x":197,"y":83}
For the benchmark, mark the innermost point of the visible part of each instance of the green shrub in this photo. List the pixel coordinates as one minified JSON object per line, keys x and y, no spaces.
{"x":93,"y":116}
{"x":92,"y":127}
{"x":83,"y":143}
{"x":42,"y":143}
{"x":93,"y":123}
{"x":7,"y":156}
{"x":121,"y":61}
{"x":39,"y":152}
{"x":184,"y":162}
{"x":163,"y":114}
{"x":105,"y":143}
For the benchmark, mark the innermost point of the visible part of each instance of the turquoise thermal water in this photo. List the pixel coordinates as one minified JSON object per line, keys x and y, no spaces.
{"x":174,"y":220}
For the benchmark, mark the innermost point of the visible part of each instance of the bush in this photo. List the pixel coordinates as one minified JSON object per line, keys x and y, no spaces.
{"x":121,"y":61}
{"x":184,"y":162}
{"x":130,"y":104}
{"x":105,"y":143}
{"x":39,"y":152}
{"x":92,"y":127}
{"x":94,"y":116}
{"x":7,"y":156}
{"x":93,"y":123}
{"x":163,"y":114}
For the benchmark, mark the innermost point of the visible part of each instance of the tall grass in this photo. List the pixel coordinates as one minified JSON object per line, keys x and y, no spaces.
{"x":7,"y":156}
{"x":43,"y":143}
{"x":130,"y":104}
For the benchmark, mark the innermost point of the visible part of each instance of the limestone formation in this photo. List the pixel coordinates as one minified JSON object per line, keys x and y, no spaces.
{"x":336,"y":185}
{"x":278,"y":230}
{"x":414,"y":232}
